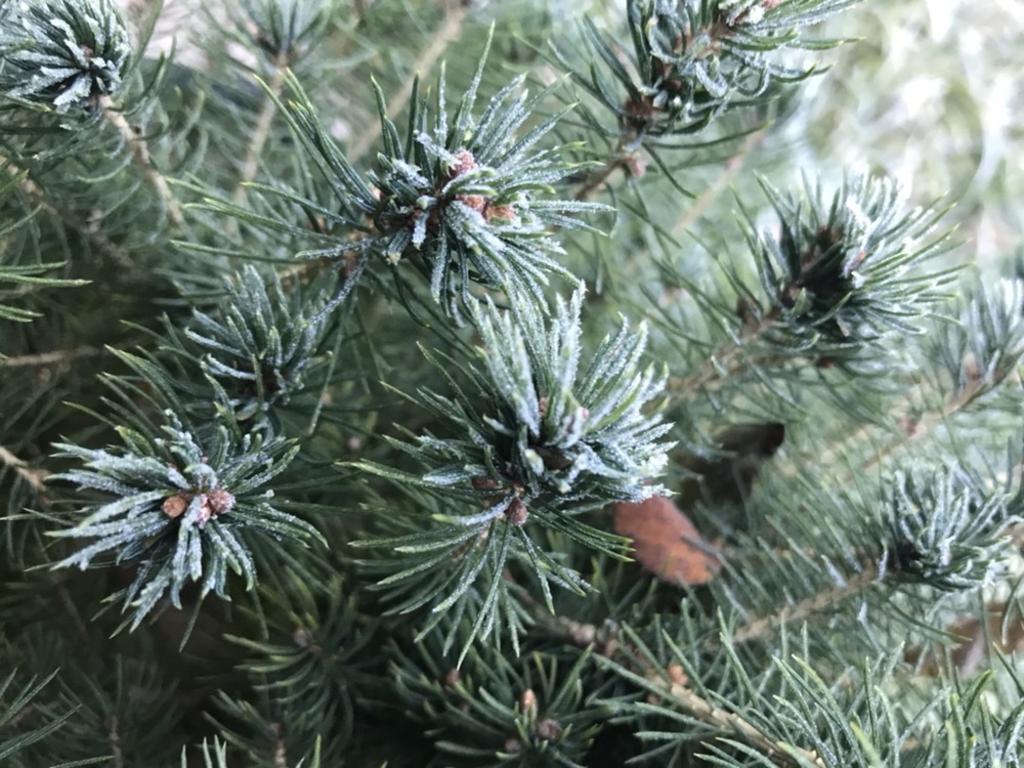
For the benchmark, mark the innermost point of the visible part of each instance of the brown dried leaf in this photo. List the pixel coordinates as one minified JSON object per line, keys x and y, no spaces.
{"x":666,"y":543}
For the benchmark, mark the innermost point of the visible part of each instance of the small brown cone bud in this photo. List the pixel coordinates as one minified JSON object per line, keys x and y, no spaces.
{"x":464,"y":163}
{"x":221,"y":502}
{"x":303,"y":637}
{"x":452,"y":678}
{"x":476,"y":202}
{"x":549,"y":729}
{"x":676,"y":675}
{"x":175,"y":506}
{"x":205,"y":511}
{"x":501,"y":213}
{"x":513,"y":747}
{"x":636,"y":164}
{"x":528,"y":702}
{"x":482,"y":483}
{"x":517,"y":513}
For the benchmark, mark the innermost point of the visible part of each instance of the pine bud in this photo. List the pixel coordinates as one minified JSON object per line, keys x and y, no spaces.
{"x":676,"y":675}
{"x":482,"y":483}
{"x":175,"y":506}
{"x":548,"y":729}
{"x":517,"y":513}
{"x":528,"y":702}
{"x":221,"y":502}
{"x":464,"y":163}
{"x":61,"y":54}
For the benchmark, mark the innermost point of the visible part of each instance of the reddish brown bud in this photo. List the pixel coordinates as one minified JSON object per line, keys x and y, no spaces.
{"x":464,"y":163}
{"x":221,"y":502}
{"x":676,"y":675}
{"x":476,"y":202}
{"x":549,"y":729}
{"x":205,"y":511}
{"x":517,"y":513}
{"x":528,"y":702}
{"x":482,"y":483}
{"x":452,"y":678}
{"x":175,"y":506}
{"x":501,"y":212}
{"x":636,"y":164}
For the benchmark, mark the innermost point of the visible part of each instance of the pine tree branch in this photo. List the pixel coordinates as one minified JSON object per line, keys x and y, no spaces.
{"x":759,"y":628}
{"x":280,"y":750}
{"x":729,"y":174}
{"x":925,"y":425}
{"x":35,"y":193}
{"x":143,"y":159}
{"x":447,"y":33}
{"x":585,"y":635}
{"x":913,"y":432}
{"x":59,"y":356}
{"x":114,"y":737}
{"x":707,"y":712}
{"x":261,"y":132}
{"x":34,"y":477}
{"x":596,"y":181}
{"x":724,"y":362}
{"x":69,"y":604}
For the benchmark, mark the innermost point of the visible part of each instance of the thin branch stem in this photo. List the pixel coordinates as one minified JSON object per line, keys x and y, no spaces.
{"x":596,"y":181}
{"x":724,"y":362}
{"x":732,"y":169}
{"x":261,"y":132}
{"x":916,"y":431}
{"x":116,"y":753}
{"x":587,"y":635}
{"x":704,"y":710}
{"x":34,"y":192}
{"x":141,"y":155}
{"x":759,"y":628}
{"x":59,"y":356}
{"x":34,"y":477}
{"x":447,"y":33}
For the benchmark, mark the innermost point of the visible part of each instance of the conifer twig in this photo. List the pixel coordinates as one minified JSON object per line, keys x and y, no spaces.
{"x":707,"y":712}
{"x":116,"y":753}
{"x":917,"y":430}
{"x":49,"y":358}
{"x":696,"y":705}
{"x":596,"y":181}
{"x":34,"y":477}
{"x":758,"y":628}
{"x":141,"y":155}
{"x":447,"y":33}
{"x":34,"y":193}
{"x":723,"y":362}
{"x":261,"y":133}
{"x":729,"y":173}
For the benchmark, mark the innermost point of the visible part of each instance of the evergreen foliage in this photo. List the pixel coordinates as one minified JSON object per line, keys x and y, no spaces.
{"x":398,"y":372}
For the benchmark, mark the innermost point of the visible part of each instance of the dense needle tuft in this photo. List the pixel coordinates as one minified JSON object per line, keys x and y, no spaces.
{"x":691,"y":60}
{"x":542,"y":429}
{"x":261,"y":342}
{"x":179,"y":509}
{"x":466,"y":199}
{"x":63,"y":54}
